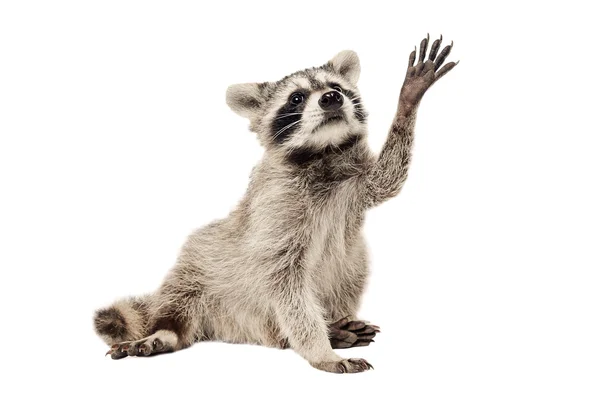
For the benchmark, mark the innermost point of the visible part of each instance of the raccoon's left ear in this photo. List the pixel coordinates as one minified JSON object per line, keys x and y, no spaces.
{"x":347,"y":64}
{"x":245,"y":99}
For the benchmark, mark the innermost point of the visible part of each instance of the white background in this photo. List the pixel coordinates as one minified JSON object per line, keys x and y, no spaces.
{"x":116,"y":142}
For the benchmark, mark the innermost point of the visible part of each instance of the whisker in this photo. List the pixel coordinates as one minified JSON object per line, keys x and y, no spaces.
{"x":285,"y":115}
{"x":281,"y":131}
{"x":295,"y":114}
{"x":286,"y":128}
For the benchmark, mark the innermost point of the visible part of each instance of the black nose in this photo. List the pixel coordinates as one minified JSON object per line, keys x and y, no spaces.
{"x":331,"y":100}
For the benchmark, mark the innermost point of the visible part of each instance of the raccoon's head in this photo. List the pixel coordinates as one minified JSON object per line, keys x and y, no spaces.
{"x":309,"y":110}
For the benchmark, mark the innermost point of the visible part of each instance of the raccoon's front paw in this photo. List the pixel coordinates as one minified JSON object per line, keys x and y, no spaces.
{"x":345,"y":333}
{"x":154,"y":344}
{"x":350,"y":366}
{"x":421,"y":76}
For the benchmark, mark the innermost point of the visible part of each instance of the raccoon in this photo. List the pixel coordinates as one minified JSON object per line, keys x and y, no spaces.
{"x":287,"y":268}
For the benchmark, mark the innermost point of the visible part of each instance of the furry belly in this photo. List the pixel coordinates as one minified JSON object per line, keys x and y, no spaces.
{"x":341,"y":278}
{"x":244,"y":327}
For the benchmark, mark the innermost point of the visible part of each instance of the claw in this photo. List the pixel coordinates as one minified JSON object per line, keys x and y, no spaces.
{"x":114,"y":348}
{"x":117,"y":353}
{"x":423,"y":48}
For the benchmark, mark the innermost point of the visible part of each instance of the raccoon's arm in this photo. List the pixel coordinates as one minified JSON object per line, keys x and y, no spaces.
{"x":387,"y":175}
{"x":298,"y":312}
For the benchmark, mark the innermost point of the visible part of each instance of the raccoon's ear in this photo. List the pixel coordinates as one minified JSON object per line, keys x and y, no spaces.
{"x":245,"y":99}
{"x":347,"y":64}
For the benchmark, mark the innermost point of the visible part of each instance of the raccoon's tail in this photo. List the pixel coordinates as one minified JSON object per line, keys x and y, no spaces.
{"x":125,"y":320}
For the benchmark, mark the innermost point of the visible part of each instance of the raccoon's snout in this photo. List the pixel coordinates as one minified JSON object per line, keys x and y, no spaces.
{"x":331,"y":100}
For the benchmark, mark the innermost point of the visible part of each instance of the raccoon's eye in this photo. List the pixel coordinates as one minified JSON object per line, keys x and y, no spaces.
{"x":297,"y":98}
{"x":337,"y":87}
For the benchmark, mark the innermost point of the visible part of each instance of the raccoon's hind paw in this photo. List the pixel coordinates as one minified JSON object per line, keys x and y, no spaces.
{"x":347,"y":366}
{"x":345,"y":333}
{"x":141,"y":348}
{"x":160,"y":342}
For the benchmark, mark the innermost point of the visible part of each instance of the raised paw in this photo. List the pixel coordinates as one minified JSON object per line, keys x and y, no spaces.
{"x":427,"y":71}
{"x":154,"y":344}
{"x":346,"y":333}
{"x":347,"y":366}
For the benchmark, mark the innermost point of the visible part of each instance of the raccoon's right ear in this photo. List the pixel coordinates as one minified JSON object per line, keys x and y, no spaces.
{"x":245,"y":99}
{"x":347,"y":64}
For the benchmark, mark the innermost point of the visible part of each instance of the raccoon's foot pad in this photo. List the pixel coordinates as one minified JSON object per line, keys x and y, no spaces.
{"x":160,"y":342}
{"x":346,"y":333}
{"x":348,"y":366}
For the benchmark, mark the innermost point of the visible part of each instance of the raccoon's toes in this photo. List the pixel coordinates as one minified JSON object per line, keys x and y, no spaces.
{"x":346,"y":333}
{"x":350,"y":366}
{"x":118,"y":350}
{"x":152,"y":345}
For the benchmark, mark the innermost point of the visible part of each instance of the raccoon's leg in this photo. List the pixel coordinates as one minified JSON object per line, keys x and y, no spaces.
{"x":301,"y":320}
{"x":350,"y":283}
{"x":347,"y":331}
{"x":385,"y":179}
{"x":170,"y":331}
{"x":306,"y":332}
{"x":173,"y":324}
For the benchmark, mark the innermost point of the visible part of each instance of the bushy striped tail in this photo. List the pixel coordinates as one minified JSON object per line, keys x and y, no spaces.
{"x":124,"y":320}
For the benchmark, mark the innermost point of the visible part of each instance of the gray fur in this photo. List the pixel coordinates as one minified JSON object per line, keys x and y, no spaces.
{"x":291,"y":258}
